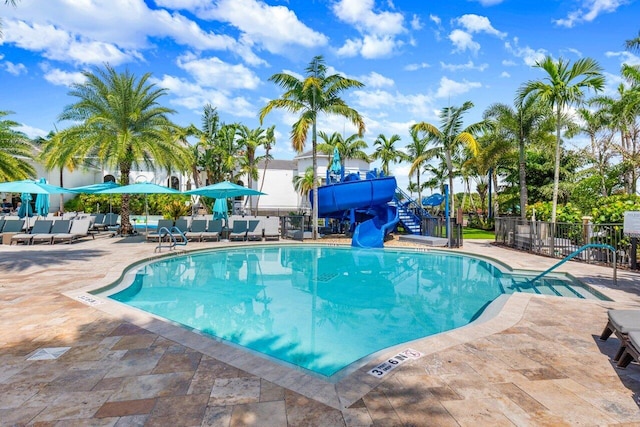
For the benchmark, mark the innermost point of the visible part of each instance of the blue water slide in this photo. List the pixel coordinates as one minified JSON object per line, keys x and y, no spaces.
{"x":370,"y":196}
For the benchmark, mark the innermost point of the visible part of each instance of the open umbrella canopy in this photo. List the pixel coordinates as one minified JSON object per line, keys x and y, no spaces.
{"x":223,"y":190}
{"x":139,"y":188}
{"x":42,"y":201}
{"x":95,"y":188}
{"x":33,"y":187}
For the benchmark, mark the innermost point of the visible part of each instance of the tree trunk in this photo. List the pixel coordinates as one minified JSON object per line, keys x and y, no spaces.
{"x":264,"y":173}
{"x":556,"y":170}
{"x":522,"y":171}
{"x":314,"y":208}
{"x":125,"y":223}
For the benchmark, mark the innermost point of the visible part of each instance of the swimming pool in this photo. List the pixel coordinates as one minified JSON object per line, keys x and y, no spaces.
{"x":323,"y":308}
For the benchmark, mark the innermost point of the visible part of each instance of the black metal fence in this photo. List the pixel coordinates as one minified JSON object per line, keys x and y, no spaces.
{"x":437,"y":227}
{"x":562,"y":239}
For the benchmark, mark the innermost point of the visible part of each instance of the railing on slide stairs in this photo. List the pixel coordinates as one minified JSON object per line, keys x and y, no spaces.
{"x":410,"y":212}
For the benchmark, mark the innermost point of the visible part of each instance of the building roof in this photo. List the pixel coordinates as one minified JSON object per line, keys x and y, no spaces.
{"x":275,"y":164}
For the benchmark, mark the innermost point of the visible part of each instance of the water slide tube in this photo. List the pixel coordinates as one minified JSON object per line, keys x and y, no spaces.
{"x":369,"y":195}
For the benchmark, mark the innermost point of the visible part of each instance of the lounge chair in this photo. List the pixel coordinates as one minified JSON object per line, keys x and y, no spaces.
{"x":79,"y":229}
{"x":271,"y":228}
{"x":98,"y":223}
{"x":158,"y":232}
{"x":214,"y":229}
{"x":631,"y":351}
{"x":239,"y":230}
{"x":621,"y":323}
{"x":198,"y":227}
{"x":39,"y":227}
{"x":11,"y":227}
{"x":254,"y":229}
{"x":59,"y":226}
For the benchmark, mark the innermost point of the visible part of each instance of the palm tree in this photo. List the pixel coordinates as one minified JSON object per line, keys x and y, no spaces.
{"x":303,"y":184}
{"x":250,"y":140}
{"x":119,"y":121}
{"x":634,"y":43}
{"x":386,"y":152}
{"x":419,"y":154}
{"x":451,"y":138}
{"x":562,"y":88}
{"x":317,"y":93}
{"x":520,"y":125}
{"x":15,"y":152}
{"x":269,"y":142}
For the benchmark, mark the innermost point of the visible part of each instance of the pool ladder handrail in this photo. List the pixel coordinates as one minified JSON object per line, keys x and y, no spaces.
{"x":164,"y":232}
{"x":576,"y":252}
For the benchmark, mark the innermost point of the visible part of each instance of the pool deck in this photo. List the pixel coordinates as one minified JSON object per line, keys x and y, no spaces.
{"x":70,"y":360}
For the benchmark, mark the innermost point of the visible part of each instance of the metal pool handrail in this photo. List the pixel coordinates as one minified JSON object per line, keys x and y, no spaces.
{"x":164,"y":231}
{"x":575,"y":253}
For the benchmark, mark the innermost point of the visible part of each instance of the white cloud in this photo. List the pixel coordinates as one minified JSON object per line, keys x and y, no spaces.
{"x":31,"y":132}
{"x":416,"y":23}
{"x":479,"y":24}
{"x":274,"y":27}
{"x":527,"y":54}
{"x":379,"y":30}
{"x":15,"y":69}
{"x":63,"y":78}
{"x":589,"y":11}
{"x":415,"y":67}
{"x":625,"y":57}
{"x":449,"y":88}
{"x":463,"y":41}
{"x":376,"y":47}
{"x":489,"y":2}
{"x":435,"y":19}
{"x":376,"y":80}
{"x":194,"y":97}
{"x":468,"y":66}
{"x":213,"y":72}
{"x":505,"y":75}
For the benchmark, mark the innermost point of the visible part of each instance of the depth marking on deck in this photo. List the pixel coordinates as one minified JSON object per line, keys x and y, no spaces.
{"x":390,"y":364}
{"x":89,"y":300}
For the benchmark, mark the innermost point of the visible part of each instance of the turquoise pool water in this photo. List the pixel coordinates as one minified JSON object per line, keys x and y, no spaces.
{"x":323,"y":308}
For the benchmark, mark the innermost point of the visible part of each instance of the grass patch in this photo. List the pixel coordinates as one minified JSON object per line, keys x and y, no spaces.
{"x":475,"y":233}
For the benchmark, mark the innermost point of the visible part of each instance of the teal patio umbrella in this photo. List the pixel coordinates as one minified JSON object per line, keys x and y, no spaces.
{"x":25,"y":205}
{"x":96,"y":188}
{"x":336,"y":166}
{"x":141,"y":188}
{"x":42,"y":201}
{"x":224,"y":189}
{"x":220,"y":210}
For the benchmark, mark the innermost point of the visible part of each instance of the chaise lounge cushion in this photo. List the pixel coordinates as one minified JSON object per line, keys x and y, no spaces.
{"x":625,"y":321}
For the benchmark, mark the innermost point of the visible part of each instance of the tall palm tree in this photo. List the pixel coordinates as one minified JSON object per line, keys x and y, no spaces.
{"x":350,"y":148}
{"x":269,"y":142}
{"x":317,"y":93}
{"x":250,"y":141}
{"x":450,"y":138}
{"x":563,"y":87}
{"x":418,"y":153}
{"x":119,"y":121}
{"x":15,"y":151}
{"x":386,"y":151}
{"x":520,"y":125}
{"x":634,"y":43}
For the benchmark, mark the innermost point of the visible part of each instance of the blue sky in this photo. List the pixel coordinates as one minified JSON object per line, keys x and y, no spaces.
{"x":414,"y":56}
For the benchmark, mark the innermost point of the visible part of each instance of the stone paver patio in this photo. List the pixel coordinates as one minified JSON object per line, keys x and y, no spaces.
{"x":70,"y":361}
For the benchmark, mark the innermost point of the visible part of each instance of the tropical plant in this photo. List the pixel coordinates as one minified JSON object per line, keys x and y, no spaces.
{"x":15,"y":151}
{"x":303,"y":184}
{"x":450,"y":139}
{"x":250,"y":140}
{"x":419,"y":154}
{"x":119,"y":121}
{"x":521,"y":125}
{"x":317,"y":93}
{"x":386,"y":152}
{"x":176,"y":209}
{"x":269,"y":142}
{"x":563,"y":87}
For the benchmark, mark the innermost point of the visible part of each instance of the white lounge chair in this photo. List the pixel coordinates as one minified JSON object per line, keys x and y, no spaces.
{"x":79,"y":229}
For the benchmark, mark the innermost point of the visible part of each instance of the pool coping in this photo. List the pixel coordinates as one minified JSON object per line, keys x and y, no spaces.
{"x":503,"y":313}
